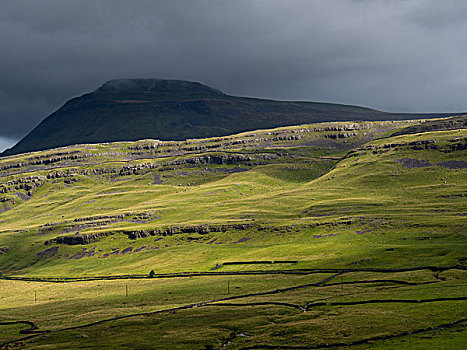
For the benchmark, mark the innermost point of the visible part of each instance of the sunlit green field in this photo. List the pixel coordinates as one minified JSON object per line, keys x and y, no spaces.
{"x":385,"y":217}
{"x":227,"y":313}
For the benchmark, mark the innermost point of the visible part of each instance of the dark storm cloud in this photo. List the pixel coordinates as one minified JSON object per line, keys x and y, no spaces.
{"x":389,"y":55}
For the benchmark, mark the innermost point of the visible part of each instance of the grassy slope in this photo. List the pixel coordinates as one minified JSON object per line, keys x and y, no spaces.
{"x":368,"y":191}
{"x":314,"y":202}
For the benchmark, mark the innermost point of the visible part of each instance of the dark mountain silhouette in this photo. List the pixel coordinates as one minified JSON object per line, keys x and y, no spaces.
{"x":133,"y":109}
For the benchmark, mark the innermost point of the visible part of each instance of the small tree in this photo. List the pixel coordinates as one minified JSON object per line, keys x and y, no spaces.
{"x":152,"y":274}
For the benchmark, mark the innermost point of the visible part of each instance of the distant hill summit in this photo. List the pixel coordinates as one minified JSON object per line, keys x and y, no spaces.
{"x":134,"y":109}
{"x":159,"y":89}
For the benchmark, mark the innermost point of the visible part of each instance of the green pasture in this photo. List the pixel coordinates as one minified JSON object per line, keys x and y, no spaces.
{"x":325,"y":196}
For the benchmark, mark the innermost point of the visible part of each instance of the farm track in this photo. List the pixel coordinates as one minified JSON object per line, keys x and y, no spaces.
{"x":33,"y":331}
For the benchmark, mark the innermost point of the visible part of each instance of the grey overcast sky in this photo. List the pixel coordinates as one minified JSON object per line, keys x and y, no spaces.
{"x":392,"y":55}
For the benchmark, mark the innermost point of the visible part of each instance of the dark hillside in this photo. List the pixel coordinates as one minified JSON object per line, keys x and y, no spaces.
{"x":134,"y":109}
{"x":459,"y":122}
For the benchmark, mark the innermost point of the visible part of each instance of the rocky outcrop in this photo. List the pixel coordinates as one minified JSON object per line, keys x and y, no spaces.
{"x":459,"y":122}
{"x":454,"y":164}
{"x":340,"y":135}
{"x":415,"y":145}
{"x":46,"y":159}
{"x":219,"y":159}
{"x":145,"y":145}
{"x":28,"y":184}
{"x":174,"y":230}
{"x":213,"y":159}
{"x":414,"y":163}
{"x":457,"y":144}
{"x":136,"y":169}
{"x":344,"y":127}
{"x":80,"y":238}
{"x":101,"y":217}
{"x":48,"y":253}
{"x":286,"y":137}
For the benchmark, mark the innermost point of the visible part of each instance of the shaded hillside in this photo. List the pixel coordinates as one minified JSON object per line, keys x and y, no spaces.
{"x":134,"y":109}
{"x":459,"y":122}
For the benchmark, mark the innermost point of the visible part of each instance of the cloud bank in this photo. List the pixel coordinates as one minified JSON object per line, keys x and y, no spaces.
{"x":404,"y":56}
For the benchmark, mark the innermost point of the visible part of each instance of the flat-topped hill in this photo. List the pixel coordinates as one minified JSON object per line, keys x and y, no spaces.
{"x":135,"y":109}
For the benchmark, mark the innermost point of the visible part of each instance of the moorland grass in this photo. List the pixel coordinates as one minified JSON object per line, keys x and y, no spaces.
{"x":325,"y":202}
